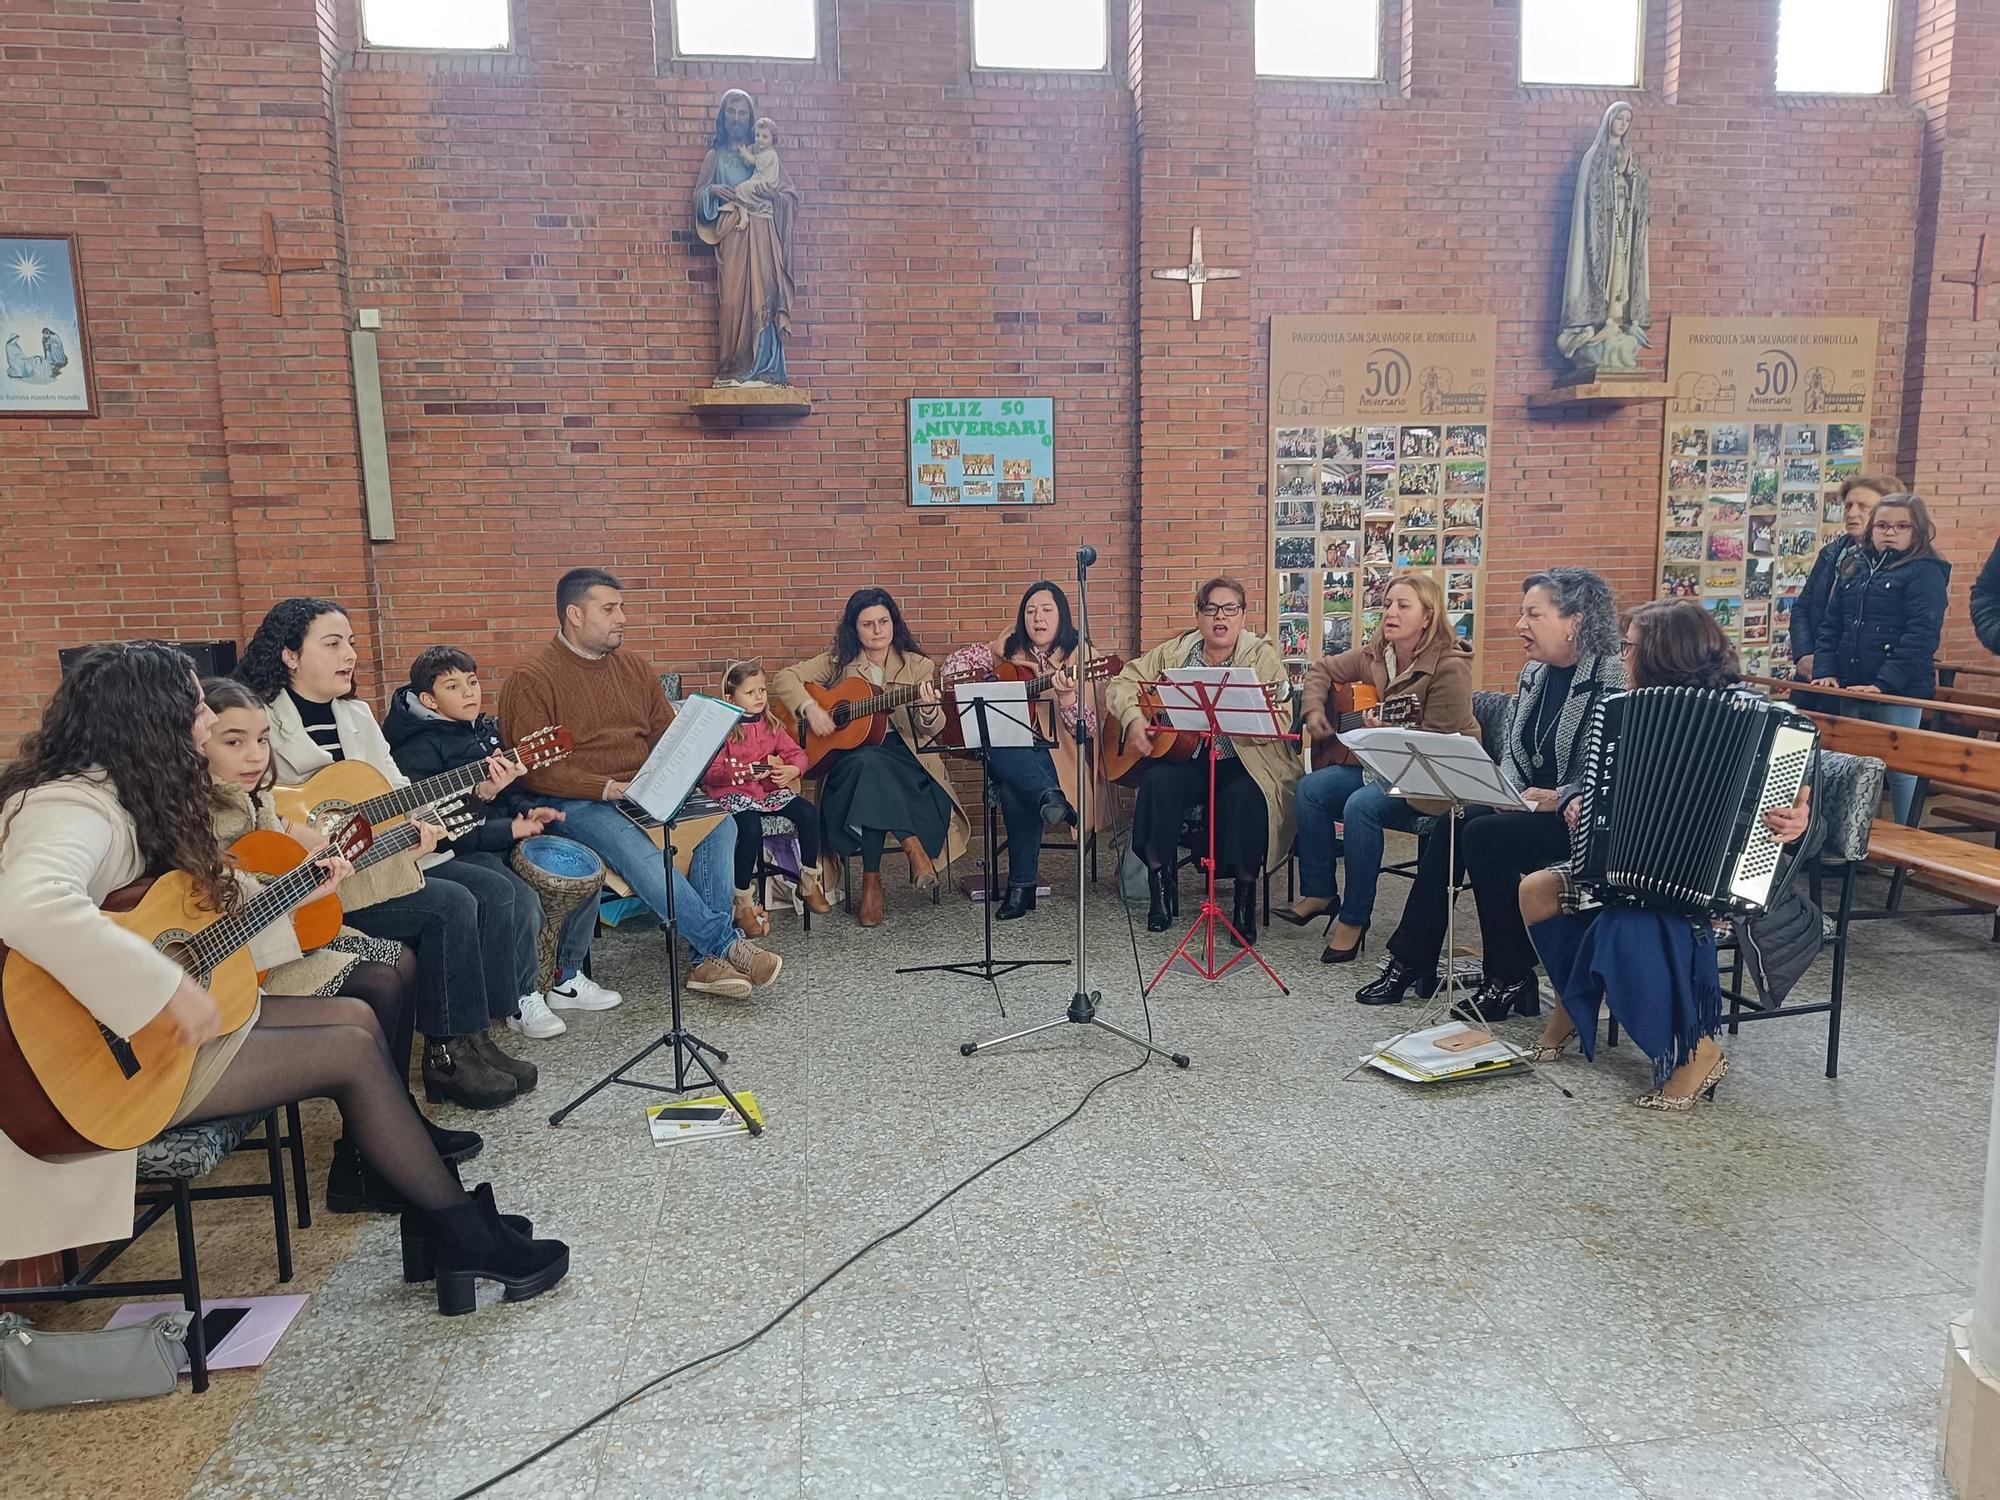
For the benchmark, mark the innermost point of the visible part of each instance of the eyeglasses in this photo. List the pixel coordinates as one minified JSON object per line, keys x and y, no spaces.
{"x":1626,"y":647}
{"x":1227,"y":611}
{"x":1896,"y":528}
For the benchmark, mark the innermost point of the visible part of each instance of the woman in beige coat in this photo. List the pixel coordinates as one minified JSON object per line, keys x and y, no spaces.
{"x":892,"y":790}
{"x":1253,"y":781}
{"x":113,"y":785}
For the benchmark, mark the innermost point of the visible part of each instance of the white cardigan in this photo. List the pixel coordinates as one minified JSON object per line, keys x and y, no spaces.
{"x":296,"y":757}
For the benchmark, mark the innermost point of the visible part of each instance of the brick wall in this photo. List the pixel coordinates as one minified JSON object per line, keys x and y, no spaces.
{"x":522,"y":225}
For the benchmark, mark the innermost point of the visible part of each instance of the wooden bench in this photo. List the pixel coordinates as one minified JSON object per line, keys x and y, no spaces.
{"x":1958,"y":866}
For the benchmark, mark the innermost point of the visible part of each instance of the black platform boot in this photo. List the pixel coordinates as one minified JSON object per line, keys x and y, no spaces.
{"x":453,"y":1146}
{"x":419,"y":1251}
{"x":1163,"y":897}
{"x":1495,"y":1001}
{"x":469,"y":1243}
{"x":1018,"y":902}
{"x":1395,"y":981}
{"x":1244,"y":917}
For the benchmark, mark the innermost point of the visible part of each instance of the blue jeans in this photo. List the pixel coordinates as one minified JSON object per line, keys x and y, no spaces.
{"x":1902,"y":785}
{"x":1363,"y":809}
{"x":1021,"y":775}
{"x":702,"y":898}
{"x":578,"y":928}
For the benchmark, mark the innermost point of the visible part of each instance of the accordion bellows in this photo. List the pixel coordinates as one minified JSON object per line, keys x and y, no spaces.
{"x":1675,"y":784}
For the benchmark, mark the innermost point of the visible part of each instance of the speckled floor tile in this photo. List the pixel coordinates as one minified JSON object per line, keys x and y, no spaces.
{"x":1632,"y":1383}
{"x":1772,"y":1465}
{"x":1575,"y":1474}
{"x":446,"y":1465}
{"x":1882,"y":1458}
{"x":298,"y":1470}
{"x":657,"y":1449}
{"x":935,"y":1445}
{"x":861,"y":1343}
{"x":1283,"y":1419}
{"x":1389,"y":1295}
{"x":1464,"y":1399}
{"x":1208,"y":1314}
{"x":1037,"y":1323}
{"x":1095,"y":1439}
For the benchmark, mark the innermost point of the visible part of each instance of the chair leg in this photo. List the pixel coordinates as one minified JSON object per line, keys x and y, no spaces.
{"x":197,"y":1343}
{"x":274,"y":1160}
{"x":1838,"y":993}
{"x":1093,"y":872}
{"x":301,"y":1184}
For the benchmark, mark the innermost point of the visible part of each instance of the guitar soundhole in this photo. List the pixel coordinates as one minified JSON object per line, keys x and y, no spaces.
{"x":174,"y":945}
{"x":839,"y":716}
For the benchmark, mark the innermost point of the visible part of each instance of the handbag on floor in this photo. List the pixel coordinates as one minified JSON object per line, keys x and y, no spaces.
{"x":41,"y":1369}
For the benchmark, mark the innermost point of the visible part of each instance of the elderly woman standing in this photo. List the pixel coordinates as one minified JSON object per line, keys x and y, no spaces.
{"x":1569,"y":630}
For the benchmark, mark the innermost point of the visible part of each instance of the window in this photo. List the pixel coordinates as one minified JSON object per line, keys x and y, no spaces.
{"x":1319,"y":38}
{"x":1046,"y":36}
{"x":438,"y":25}
{"x":746,"y":28}
{"x":1590,"y":42}
{"x":1834,"y":46}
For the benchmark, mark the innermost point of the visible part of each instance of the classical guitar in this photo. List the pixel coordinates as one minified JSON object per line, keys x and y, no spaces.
{"x":68,"y":1085}
{"x":267,"y":853}
{"x":1121,"y":762}
{"x":1348,"y":706}
{"x":355,"y":786}
{"x":860,"y":713}
{"x":953,"y":735}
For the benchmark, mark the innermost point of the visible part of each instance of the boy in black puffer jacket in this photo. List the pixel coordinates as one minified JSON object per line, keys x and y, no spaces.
{"x":434,"y":725}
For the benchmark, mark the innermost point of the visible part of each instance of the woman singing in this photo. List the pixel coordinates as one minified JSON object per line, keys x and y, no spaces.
{"x":1036,"y":787}
{"x":1655,"y":969}
{"x":1253,"y":781}
{"x":1414,"y":656}
{"x":1569,"y":630}
{"x":115,"y":785}
{"x":893,"y":789}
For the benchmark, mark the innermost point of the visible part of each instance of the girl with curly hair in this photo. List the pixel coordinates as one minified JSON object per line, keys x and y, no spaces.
{"x":115,"y":785}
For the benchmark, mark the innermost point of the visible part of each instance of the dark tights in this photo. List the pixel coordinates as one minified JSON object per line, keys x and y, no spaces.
{"x":391,"y":992}
{"x":330,"y":1047}
{"x":873,"y":841}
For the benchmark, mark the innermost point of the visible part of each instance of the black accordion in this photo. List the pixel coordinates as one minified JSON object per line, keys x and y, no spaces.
{"x":1675,"y":785}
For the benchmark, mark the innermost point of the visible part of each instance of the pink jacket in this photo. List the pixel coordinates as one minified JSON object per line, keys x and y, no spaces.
{"x":740,"y":768}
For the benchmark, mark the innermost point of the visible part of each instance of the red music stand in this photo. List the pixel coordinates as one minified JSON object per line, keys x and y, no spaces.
{"x":1206,"y":699}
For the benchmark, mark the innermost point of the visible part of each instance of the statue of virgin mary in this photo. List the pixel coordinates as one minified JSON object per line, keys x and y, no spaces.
{"x":1607,"y":293}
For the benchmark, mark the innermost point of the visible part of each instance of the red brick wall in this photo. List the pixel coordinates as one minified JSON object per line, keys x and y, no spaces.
{"x":521,"y":224}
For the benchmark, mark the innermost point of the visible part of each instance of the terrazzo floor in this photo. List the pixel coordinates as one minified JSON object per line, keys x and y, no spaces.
{"x":1255,"y":1278}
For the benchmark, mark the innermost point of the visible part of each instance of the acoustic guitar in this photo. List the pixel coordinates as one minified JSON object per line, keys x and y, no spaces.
{"x":953,"y":734}
{"x":860,"y":713}
{"x":68,"y":1085}
{"x":1121,"y":762}
{"x":267,"y":853}
{"x":1348,"y":706}
{"x":354,"y":786}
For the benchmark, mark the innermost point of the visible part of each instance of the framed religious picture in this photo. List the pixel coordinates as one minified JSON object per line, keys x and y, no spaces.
{"x":44,"y":350}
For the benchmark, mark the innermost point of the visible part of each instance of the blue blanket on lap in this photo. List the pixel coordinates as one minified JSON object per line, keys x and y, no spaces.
{"x":1656,"y":970}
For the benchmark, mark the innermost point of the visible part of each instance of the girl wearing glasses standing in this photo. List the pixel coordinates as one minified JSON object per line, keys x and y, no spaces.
{"x":1881,"y":627}
{"x":1254,"y":780}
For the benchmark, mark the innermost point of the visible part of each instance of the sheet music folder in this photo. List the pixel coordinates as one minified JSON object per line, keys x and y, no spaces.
{"x":675,"y":767}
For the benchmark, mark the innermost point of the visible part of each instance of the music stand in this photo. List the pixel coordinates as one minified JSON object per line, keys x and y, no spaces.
{"x":1212,"y":702}
{"x":1451,"y":768}
{"x":662,"y":787}
{"x":991,"y":716}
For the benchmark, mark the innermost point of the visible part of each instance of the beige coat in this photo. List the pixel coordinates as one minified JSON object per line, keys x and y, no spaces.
{"x":294,"y":758}
{"x":1272,"y":764}
{"x":301,"y":973}
{"x":69,"y":845}
{"x":916,"y":723}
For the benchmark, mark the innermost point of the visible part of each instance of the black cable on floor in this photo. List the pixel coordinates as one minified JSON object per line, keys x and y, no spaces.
{"x":1139,"y":972}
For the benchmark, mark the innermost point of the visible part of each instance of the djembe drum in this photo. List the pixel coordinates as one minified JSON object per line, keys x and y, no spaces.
{"x":564,"y":874}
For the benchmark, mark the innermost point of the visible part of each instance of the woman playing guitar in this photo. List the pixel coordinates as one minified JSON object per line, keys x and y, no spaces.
{"x":1036,"y":787}
{"x":887,"y":788}
{"x":1253,"y":784}
{"x":114,"y":785}
{"x":1414,"y":664}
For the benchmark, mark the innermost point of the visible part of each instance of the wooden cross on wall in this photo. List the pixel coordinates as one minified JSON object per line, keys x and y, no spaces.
{"x":1197,"y":273}
{"x":273,"y":266}
{"x":1979,"y":280}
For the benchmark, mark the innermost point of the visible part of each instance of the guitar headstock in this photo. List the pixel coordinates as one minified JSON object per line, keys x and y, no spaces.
{"x":453,"y":815}
{"x":543,"y":746}
{"x":351,"y":839}
{"x":1100,"y":667}
{"x":1401,"y":712}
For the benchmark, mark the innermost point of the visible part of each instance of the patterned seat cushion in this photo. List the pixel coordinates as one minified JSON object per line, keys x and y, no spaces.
{"x":1850,"y":793}
{"x":190,"y":1151}
{"x":778,"y":826}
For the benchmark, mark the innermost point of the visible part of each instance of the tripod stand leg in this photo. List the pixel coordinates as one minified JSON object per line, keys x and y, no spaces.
{"x":1178,"y":1059}
{"x":967,"y":1049}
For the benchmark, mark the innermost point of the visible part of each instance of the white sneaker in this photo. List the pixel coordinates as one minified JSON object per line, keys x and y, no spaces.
{"x":581,"y":992}
{"x":536,"y":1020}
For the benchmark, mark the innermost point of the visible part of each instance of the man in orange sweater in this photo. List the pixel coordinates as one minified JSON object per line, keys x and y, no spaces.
{"x":611,"y":703}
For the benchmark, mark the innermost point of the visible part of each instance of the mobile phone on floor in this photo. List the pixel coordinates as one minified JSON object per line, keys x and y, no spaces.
{"x":694,"y":1114}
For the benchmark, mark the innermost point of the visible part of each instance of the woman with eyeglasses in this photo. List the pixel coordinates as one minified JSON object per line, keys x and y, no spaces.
{"x":1882,"y":625}
{"x":1254,"y":780}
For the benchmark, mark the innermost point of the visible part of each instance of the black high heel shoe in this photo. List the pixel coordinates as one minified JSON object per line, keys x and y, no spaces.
{"x":1018,"y":902}
{"x":1332,"y":955}
{"x":469,"y":1243}
{"x":1395,"y":981}
{"x":1163,"y":903}
{"x":1244,"y":917}
{"x":1494,"y":1001}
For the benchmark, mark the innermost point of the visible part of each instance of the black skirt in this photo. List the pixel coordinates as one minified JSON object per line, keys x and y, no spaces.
{"x":882,"y":787}
{"x":1170,"y":789}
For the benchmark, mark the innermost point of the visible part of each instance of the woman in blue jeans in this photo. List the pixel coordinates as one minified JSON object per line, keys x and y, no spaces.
{"x":1036,"y":788}
{"x":1423,"y":672}
{"x":1881,"y":628}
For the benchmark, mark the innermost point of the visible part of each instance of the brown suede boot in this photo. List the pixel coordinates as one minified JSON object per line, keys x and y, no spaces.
{"x":813,"y":892}
{"x":922,"y":871}
{"x":870,"y":914}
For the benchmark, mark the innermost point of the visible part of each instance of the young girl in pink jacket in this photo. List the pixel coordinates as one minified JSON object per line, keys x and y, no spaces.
{"x":757,"y":772}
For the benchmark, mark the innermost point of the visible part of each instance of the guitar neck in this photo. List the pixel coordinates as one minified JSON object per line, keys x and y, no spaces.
{"x":886,"y":701}
{"x":438,"y":788}
{"x":402,"y":837}
{"x":272,"y":903}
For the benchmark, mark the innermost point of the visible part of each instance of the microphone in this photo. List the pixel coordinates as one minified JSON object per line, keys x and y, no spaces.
{"x":1085,"y":556}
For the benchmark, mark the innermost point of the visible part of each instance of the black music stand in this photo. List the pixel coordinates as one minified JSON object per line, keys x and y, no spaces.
{"x":987,"y":967}
{"x":688,"y":1048}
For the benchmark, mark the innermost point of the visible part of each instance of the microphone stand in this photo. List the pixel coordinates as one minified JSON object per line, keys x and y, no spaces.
{"x":1084,"y":1002}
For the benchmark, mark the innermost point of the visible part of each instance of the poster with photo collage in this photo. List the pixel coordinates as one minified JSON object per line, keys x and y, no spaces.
{"x":1380,"y":445}
{"x":1767,"y":417}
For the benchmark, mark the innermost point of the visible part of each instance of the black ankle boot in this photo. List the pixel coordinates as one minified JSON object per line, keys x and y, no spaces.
{"x":1395,"y":981}
{"x":1495,"y":1001}
{"x":420,"y":1251}
{"x":1055,"y":808}
{"x":453,"y":1146}
{"x":470,"y":1243}
{"x":1162,"y":897}
{"x":1244,"y":917}
{"x":455,"y":1072}
{"x":352,"y":1188}
{"x":1018,"y":902}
